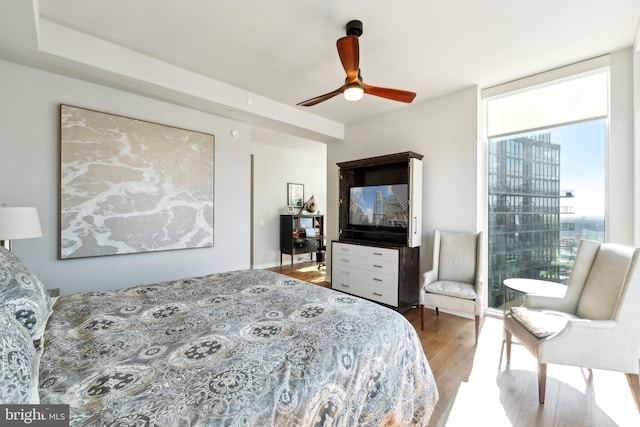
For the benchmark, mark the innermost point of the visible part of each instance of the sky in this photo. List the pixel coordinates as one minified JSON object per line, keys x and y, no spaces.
{"x":582,"y":164}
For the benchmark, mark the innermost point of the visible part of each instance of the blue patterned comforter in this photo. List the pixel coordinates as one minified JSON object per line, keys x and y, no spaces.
{"x":244,"y":348}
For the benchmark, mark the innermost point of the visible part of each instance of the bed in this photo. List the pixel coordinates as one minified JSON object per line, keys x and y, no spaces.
{"x":242,"y":348}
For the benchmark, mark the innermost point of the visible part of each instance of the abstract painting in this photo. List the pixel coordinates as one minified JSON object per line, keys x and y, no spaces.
{"x":132,"y":186}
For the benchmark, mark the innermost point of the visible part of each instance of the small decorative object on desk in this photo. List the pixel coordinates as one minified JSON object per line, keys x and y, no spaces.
{"x":310,"y":205}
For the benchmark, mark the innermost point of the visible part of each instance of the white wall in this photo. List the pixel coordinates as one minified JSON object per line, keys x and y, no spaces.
{"x":619,"y":216}
{"x":277,"y":161}
{"x":29,"y":159}
{"x":636,"y":145}
{"x":444,"y":130}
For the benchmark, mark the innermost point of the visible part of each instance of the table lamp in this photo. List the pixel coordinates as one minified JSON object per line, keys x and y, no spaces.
{"x":18,"y":223}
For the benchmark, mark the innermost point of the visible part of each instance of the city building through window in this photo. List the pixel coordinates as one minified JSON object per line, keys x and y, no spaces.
{"x":546,"y":178}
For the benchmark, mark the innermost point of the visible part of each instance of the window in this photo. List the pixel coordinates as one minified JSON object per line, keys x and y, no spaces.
{"x":546,"y":179}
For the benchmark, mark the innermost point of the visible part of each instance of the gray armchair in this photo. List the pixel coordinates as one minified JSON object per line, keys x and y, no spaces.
{"x":455,"y":281}
{"x":596,"y":324}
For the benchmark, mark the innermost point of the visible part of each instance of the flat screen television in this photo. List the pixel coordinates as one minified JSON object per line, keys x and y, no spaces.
{"x":379,"y":207}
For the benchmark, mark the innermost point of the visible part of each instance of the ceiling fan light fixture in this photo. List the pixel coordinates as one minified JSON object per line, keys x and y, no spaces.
{"x":353,"y":92}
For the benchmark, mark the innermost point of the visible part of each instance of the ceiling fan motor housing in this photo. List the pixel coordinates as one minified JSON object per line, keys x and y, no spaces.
{"x":354,"y":28}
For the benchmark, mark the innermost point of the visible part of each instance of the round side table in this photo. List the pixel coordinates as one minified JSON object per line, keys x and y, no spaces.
{"x":533,"y":287}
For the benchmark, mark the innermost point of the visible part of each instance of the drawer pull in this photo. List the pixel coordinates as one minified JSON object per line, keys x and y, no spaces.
{"x":346,"y":273}
{"x":377,"y":294}
{"x":344,"y":286}
{"x":345,"y":260}
{"x":377,"y":280}
{"x":377,"y":266}
{"x":378,"y":253}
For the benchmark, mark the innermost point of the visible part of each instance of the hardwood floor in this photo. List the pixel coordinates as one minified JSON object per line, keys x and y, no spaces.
{"x":476,"y":388}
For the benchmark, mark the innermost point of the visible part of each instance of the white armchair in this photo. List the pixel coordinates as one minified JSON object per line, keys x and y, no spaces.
{"x":594,"y":325}
{"x":455,"y":281}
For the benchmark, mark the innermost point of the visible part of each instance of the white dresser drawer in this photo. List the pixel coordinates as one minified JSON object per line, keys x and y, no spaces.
{"x":367,"y":284}
{"x":366,"y":257}
{"x":343,"y":275}
{"x":382,"y":288}
{"x":379,"y":266}
{"x":381,"y":280}
{"x":385,"y":297}
{"x":373,"y":287}
{"x":346,"y":260}
{"x":342,"y":260}
{"x":384,"y":254}
{"x":352,"y":281}
{"x":366,"y":271}
{"x":347,"y":249}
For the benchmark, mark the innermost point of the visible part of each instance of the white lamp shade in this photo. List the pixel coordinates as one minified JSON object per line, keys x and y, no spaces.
{"x":19,"y":223}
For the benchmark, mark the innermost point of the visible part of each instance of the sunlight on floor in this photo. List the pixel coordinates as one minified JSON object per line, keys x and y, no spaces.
{"x":509,"y":397}
{"x":308,"y":269}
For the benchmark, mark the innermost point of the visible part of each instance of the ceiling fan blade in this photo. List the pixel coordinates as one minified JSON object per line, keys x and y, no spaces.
{"x":321,"y":98}
{"x":349,"y":52}
{"x":393,"y":94}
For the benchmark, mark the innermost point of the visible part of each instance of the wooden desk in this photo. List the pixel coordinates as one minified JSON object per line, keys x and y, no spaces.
{"x":293,"y":237}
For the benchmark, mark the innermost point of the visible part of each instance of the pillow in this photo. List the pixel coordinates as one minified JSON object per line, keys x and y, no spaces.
{"x":22,"y":295}
{"x":452,"y":289}
{"x":541,"y":323}
{"x":18,"y":364}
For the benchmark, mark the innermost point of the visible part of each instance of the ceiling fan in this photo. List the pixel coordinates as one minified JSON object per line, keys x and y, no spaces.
{"x":354,"y":88}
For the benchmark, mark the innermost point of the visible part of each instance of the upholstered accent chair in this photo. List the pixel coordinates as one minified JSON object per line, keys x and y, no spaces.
{"x":595,"y":325}
{"x":455,"y":281}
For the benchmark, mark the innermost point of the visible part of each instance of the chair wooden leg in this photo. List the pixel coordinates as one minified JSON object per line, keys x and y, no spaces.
{"x":542,"y":381}
{"x":634,"y":385}
{"x":477,"y":328}
{"x":421,"y":317}
{"x":507,"y":340}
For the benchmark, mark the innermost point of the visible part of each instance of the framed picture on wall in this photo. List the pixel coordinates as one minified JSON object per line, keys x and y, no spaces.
{"x":120,"y":189}
{"x":295,"y":195}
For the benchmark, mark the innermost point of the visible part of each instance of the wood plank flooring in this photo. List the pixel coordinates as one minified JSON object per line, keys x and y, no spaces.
{"x":477,"y":389}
